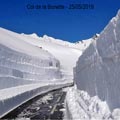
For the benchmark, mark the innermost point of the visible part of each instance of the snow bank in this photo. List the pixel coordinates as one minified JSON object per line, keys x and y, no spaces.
{"x":31,"y":65}
{"x":25,"y":71}
{"x":80,"y":106}
{"x":22,"y":63}
{"x":98,"y":69}
{"x":21,"y":94}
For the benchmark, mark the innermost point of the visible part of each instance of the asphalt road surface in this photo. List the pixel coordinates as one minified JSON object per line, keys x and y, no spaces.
{"x":49,"y":106}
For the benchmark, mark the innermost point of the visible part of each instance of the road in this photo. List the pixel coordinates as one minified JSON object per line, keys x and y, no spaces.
{"x":43,"y":107}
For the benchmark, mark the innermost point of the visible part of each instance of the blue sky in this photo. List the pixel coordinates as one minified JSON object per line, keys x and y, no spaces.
{"x":66,"y":24}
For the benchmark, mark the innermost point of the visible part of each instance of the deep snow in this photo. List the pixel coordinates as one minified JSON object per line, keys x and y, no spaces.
{"x":24,"y":71}
{"x":97,"y":70}
{"x":97,"y":78}
{"x":80,"y":106}
{"x":22,"y":63}
{"x":67,"y":53}
{"x":32,"y":65}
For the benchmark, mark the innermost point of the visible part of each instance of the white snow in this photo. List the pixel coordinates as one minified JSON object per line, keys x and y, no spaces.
{"x":25,"y":69}
{"x":32,"y":65}
{"x":80,"y":106}
{"x":22,"y":63}
{"x":67,"y":53}
{"x":11,"y":98}
{"x":14,"y":41}
{"x":97,"y":78}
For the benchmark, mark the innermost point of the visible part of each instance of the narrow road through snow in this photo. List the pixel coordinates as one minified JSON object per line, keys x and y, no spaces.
{"x":44,"y":107}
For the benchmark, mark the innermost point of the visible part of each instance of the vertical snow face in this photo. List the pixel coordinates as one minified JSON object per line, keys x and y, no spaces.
{"x":98,"y":69}
{"x":22,"y":63}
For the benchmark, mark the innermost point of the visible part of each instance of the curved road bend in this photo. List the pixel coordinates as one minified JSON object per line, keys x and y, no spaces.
{"x":43,"y":107}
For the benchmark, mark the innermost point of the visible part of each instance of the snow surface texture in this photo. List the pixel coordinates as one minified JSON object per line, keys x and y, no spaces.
{"x":67,"y":53}
{"x":31,"y":65}
{"x":80,"y":106}
{"x":24,"y":69}
{"x":98,"y":69}
{"x":22,"y":63}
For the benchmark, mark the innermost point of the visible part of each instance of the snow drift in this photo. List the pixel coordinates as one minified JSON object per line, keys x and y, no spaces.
{"x":98,"y":69}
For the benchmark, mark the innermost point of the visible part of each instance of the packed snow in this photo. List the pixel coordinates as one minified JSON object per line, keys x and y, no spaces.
{"x":97,"y":78}
{"x":13,"y":97}
{"x":32,"y":65}
{"x":24,"y":66}
{"x":80,"y":106}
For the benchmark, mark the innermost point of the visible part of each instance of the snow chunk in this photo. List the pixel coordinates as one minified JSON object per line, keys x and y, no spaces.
{"x":79,"y":105}
{"x":116,"y":114}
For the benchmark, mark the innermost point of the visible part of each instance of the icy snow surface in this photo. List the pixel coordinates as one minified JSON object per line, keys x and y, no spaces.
{"x":98,"y":73}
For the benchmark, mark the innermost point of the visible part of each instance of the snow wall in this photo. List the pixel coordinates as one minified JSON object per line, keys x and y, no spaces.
{"x":25,"y":71}
{"x":98,"y":69}
{"x":18,"y":68}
